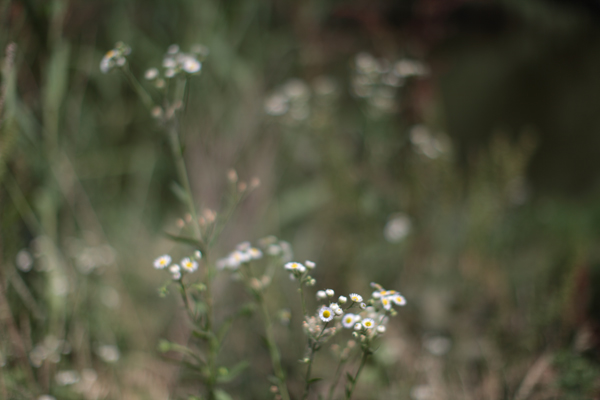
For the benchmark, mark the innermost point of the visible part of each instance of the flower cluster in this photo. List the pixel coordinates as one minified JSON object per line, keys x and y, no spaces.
{"x":387,"y":297}
{"x":176,"y":62}
{"x":424,"y":142}
{"x":367,"y":319}
{"x":377,"y":80}
{"x":299,"y":271}
{"x":187,"y":264}
{"x":115,"y":58}
{"x":243,"y":253}
{"x":292,"y":100}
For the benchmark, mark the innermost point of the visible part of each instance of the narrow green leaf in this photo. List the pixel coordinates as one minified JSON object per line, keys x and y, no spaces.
{"x":185,"y":240}
{"x":233,"y":372}
{"x":313,"y":380}
{"x":349,"y":377}
{"x":179,"y":192}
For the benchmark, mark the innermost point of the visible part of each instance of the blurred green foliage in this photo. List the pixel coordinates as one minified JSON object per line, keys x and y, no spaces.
{"x":501,"y":251}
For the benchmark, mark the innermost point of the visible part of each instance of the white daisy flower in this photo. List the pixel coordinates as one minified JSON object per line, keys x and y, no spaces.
{"x":254,"y":253}
{"x":342,"y":299}
{"x":386,"y":302}
{"x":310,"y":264}
{"x":349,"y":320}
{"x":191,"y":65}
{"x":326,"y":314}
{"x":399,"y":299}
{"x":376,"y":295}
{"x":174,"y":269}
{"x":238,"y":257}
{"x":357,"y":327}
{"x":368,"y":323}
{"x":151,"y":74}
{"x":330,"y":292}
{"x":363,"y":306}
{"x":162,"y":261}
{"x":357,"y":298}
{"x":321,"y":295}
{"x":381,"y":329}
{"x":295,"y":267}
{"x":189,"y":265}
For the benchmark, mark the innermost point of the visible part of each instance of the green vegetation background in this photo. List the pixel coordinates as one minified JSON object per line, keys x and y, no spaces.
{"x":502,"y":255}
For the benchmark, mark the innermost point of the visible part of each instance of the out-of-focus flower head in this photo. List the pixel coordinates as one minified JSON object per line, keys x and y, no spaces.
{"x":115,"y":58}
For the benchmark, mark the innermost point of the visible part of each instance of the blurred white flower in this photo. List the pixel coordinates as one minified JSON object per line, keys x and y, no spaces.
{"x":277,"y":104}
{"x":115,"y":57}
{"x":368,"y":323}
{"x":189,"y":265}
{"x":67,"y":377}
{"x":151,"y":74}
{"x":24,"y":260}
{"x":108,"y":353}
{"x":162,"y":261}
{"x":437,"y":345}
{"x":425,"y":143}
{"x":295,"y":267}
{"x":407,"y":68}
{"x":397,"y":228}
{"x":357,"y":298}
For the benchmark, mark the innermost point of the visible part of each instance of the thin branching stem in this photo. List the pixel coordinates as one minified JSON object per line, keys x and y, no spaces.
{"x":139,"y":89}
{"x":363,"y":361}
{"x":273,"y":350}
{"x":302,"y":299}
{"x":313,"y":349}
{"x":336,"y":378}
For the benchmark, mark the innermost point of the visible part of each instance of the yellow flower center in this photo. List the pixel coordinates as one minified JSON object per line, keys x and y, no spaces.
{"x":368,"y":323}
{"x":326,"y":313}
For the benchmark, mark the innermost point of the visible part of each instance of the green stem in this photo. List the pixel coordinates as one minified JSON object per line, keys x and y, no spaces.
{"x":336,"y":379}
{"x":303,"y":302}
{"x":313,"y":349}
{"x":273,"y":351}
{"x":183,"y":177}
{"x":353,"y":383}
{"x":139,"y":89}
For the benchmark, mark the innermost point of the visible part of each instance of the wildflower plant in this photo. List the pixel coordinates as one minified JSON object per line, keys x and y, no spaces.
{"x":357,"y":323}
